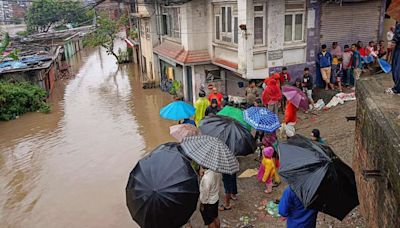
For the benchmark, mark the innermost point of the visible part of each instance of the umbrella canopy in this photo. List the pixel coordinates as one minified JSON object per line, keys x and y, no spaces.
{"x":234,"y":113}
{"x":162,"y":189}
{"x":262,"y":119}
{"x":211,"y":153}
{"x":296,"y":96}
{"x":386,"y":67}
{"x":181,"y":131}
{"x":231,"y":132}
{"x":318,"y":177}
{"x":394,"y":10}
{"x":177,"y":110}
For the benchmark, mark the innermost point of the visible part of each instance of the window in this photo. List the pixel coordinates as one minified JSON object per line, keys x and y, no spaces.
{"x":294,"y":27}
{"x":171,"y":22}
{"x":217,"y":30}
{"x":259,"y":15}
{"x":235,"y":30}
{"x":294,"y":21}
{"x":226,"y":23}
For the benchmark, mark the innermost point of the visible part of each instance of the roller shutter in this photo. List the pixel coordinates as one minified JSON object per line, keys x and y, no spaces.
{"x":350,"y":22}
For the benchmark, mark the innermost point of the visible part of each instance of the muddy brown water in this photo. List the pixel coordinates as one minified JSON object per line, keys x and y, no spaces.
{"x":69,"y":168}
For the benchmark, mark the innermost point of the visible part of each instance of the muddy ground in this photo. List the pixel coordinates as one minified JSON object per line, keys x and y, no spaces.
{"x":250,"y":205}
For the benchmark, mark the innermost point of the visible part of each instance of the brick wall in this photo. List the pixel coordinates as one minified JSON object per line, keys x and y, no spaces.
{"x":377,"y":148}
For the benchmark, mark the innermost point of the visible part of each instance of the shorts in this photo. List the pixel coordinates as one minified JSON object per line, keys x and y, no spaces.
{"x":309,"y":94}
{"x":357,"y":73}
{"x":326,"y":73}
{"x":209,"y":213}
{"x":230,"y":184}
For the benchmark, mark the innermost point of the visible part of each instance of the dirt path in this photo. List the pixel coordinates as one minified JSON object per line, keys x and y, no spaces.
{"x":251,"y":200}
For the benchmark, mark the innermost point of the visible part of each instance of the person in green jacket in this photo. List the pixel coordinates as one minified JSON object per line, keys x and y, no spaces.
{"x":201,"y":105}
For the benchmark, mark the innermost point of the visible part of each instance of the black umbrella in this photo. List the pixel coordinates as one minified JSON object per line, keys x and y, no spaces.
{"x":231,"y":132}
{"x":162,"y":189}
{"x":318,"y":177}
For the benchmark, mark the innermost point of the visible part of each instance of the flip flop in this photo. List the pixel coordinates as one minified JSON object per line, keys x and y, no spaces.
{"x":223,"y":208}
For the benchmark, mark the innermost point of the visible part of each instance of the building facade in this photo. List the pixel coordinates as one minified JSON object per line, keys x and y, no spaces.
{"x":222,"y":43}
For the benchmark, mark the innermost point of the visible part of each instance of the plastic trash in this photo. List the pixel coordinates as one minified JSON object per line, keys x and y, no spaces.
{"x":272,"y":209}
{"x":319,"y":105}
{"x":385,"y":65}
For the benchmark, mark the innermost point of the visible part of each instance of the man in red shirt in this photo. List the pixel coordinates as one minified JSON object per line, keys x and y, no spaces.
{"x":215,"y":95}
{"x":284,"y":76}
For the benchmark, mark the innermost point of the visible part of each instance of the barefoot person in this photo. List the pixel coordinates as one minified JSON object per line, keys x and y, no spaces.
{"x":209,"y":189}
{"x":324,"y":61}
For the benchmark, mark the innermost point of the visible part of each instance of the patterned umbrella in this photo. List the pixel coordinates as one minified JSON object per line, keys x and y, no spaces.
{"x":181,"y":131}
{"x":177,"y":110}
{"x":234,"y":113}
{"x":296,"y":96}
{"x":211,"y":153}
{"x":262,"y":119}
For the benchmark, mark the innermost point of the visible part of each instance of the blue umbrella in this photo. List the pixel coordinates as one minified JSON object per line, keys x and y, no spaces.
{"x":262,"y":119}
{"x":177,"y":110}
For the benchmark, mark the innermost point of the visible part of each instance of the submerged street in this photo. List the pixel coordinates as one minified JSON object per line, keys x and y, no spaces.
{"x":69,"y":168}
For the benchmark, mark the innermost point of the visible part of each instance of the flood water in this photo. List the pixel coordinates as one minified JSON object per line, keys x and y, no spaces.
{"x":69,"y":168}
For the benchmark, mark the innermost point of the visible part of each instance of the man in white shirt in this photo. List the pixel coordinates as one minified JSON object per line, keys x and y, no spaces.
{"x":209,"y":196}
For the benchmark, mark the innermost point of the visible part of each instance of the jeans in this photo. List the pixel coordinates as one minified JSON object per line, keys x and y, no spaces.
{"x":348,"y":77}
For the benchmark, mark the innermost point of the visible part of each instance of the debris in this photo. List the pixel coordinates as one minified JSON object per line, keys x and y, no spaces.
{"x":248,"y":173}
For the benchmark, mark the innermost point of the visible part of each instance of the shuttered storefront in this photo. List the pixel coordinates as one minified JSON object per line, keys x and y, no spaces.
{"x":350,"y":22}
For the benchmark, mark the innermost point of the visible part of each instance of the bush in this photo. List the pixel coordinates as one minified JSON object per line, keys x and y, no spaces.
{"x":19,"y":98}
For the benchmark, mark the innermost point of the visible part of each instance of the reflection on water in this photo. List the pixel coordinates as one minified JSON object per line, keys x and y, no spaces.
{"x":69,"y":168}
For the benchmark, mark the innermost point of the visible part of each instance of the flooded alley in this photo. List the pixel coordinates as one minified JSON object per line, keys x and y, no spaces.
{"x":69,"y":168}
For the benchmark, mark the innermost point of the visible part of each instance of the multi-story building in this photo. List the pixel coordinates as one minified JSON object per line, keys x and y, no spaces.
{"x":13,"y":12}
{"x":223,"y":43}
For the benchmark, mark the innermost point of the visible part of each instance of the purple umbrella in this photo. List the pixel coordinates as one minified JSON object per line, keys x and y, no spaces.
{"x":296,"y":96}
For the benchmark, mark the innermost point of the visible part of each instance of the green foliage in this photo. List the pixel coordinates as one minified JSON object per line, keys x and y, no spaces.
{"x":5,"y":41}
{"x":134,"y":33}
{"x":176,"y":87}
{"x":24,"y":33}
{"x":105,"y":34}
{"x":43,"y":14}
{"x":19,"y":98}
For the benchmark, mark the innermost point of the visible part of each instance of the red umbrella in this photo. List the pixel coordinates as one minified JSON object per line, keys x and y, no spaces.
{"x":296,"y":96}
{"x":394,"y":10}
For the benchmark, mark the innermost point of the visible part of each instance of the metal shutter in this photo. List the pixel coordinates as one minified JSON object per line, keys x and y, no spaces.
{"x":350,"y":22}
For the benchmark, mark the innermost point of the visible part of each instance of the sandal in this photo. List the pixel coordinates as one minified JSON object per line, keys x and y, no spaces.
{"x":234,"y":198}
{"x":223,"y":208}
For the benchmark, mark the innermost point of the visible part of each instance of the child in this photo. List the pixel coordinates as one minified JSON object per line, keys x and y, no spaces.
{"x":339,"y":74}
{"x":298,"y":84}
{"x":267,"y":171}
{"x":316,"y":136}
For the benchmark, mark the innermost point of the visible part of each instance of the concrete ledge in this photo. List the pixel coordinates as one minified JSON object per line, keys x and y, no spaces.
{"x":376,"y":159}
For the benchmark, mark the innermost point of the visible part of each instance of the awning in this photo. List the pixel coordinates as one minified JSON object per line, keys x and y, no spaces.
{"x":177,"y":53}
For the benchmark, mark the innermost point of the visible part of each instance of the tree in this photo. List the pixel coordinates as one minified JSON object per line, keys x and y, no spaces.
{"x":4,"y":42}
{"x":43,"y":14}
{"x":105,"y":34}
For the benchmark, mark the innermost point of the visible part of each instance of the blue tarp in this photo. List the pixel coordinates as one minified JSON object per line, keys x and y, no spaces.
{"x":23,"y":62}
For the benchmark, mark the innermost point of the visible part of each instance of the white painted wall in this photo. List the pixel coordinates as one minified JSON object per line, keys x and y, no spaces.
{"x":194,"y":25}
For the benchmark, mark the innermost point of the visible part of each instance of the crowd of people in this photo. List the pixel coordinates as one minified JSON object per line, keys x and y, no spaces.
{"x":339,"y":68}
{"x":272,"y":98}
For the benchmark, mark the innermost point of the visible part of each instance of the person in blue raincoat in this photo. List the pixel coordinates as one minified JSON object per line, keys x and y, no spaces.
{"x":291,"y":208}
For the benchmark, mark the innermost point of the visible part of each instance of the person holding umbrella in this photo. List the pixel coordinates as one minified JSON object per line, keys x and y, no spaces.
{"x":209,"y":198}
{"x":201,"y":105}
{"x":292,"y":209}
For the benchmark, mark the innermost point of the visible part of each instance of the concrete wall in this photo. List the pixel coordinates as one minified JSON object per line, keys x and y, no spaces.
{"x":377,"y":148}
{"x":194,"y":25}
